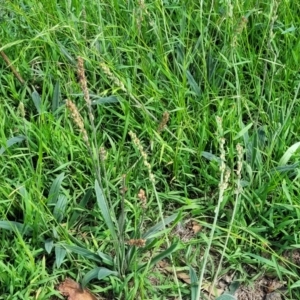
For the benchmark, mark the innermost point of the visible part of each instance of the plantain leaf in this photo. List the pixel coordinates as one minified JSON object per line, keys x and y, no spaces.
{"x":66,"y":53}
{"x":97,"y":273}
{"x":55,"y":189}
{"x":105,"y":210}
{"x":12,"y":141}
{"x":60,"y":254}
{"x":104,"y":100}
{"x":195,"y":87}
{"x":83,"y":252}
{"x":194,"y":283}
{"x":60,"y":208}
{"x":37,"y":101}
{"x":12,"y":225}
{"x":226,"y":296}
{"x":56,"y":97}
{"x":49,"y":245}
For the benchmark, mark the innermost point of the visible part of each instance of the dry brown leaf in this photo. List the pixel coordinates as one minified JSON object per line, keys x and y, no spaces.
{"x":71,"y":289}
{"x":184,"y":277}
{"x":196,"y":227}
{"x":166,"y":268}
{"x":214,"y":291}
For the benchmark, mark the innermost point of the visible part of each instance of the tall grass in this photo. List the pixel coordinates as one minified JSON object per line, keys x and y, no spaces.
{"x":163,"y":70}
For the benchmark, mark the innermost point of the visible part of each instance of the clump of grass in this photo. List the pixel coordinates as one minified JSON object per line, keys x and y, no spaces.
{"x":126,"y":257}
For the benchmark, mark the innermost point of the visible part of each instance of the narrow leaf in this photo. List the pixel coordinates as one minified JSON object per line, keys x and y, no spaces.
{"x":66,"y":53}
{"x":193,"y":83}
{"x":97,"y":273}
{"x":60,"y":208}
{"x":81,"y":205}
{"x":159,"y":226}
{"x":49,"y":245}
{"x":55,"y":189}
{"x":12,"y":225}
{"x":83,"y":252}
{"x":288,"y":154}
{"x":210,"y":156}
{"x":194,"y":283}
{"x":105,"y":210}
{"x":160,"y":256}
{"x":104,"y":100}
{"x":226,"y":296}
{"x":56,"y":97}
{"x":106,"y":258}
{"x":163,"y":254}
{"x":37,"y":101}
{"x":295,"y":285}
{"x":243,"y":131}
{"x":12,"y":141}
{"x":60,"y":254}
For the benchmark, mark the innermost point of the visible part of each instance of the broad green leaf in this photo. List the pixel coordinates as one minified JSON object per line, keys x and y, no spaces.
{"x":12,"y":225}
{"x":194,"y":283}
{"x":56,"y":97}
{"x":195,"y":87}
{"x":104,"y":272}
{"x":288,"y":154}
{"x":60,"y":208}
{"x":226,"y":296}
{"x":60,"y":254}
{"x":37,"y":101}
{"x":97,"y":273}
{"x":106,"y":258}
{"x":83,"y":252}
{"x":49,"y":245}
{"x":285,"y":168}
{"x":159,"y":226}
{"x":243,"y":131}
{"x":210,"y":156}
{"x":12,"y":141}
{"x":55,"y":189}
{"x":66,"y":53}
{"x":105,"y":100}
{"x":105,"y":210}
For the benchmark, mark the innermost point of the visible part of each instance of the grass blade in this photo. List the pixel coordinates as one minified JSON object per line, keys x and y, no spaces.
{"x":159,"y":226}
{"x":81,"y":205}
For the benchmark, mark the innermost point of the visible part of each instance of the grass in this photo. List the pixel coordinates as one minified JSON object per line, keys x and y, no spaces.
{"x":196,"y":61}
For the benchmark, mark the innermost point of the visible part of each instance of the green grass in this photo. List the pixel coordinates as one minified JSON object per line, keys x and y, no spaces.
{"x":197,"y":61}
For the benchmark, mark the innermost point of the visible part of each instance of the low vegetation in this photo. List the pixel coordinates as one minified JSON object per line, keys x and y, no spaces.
{"x":149,"y":150}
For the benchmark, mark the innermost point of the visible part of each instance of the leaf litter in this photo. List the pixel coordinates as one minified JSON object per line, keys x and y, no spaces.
{"x":73,"y":291}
